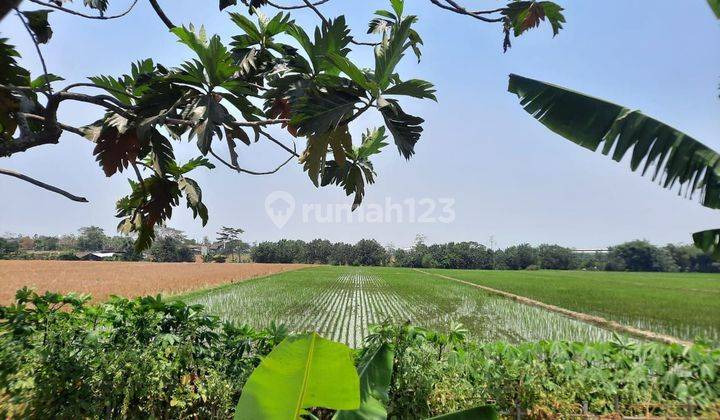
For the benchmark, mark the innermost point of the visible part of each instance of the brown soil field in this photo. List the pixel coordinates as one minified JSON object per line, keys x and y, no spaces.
{"x":104,"y":278}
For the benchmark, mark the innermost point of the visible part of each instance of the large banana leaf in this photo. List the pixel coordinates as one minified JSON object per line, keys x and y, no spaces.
{"x":301,"y":372}
{"x":375,"y":374}
{"x":673,"y":157}
{"x":708,"y":241}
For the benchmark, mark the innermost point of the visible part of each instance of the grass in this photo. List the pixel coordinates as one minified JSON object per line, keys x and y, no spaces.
{"x":684,"y":305}
{"x":341,"y":302}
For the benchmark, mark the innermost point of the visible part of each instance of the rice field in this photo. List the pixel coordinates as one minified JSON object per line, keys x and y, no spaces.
{"x":682,"y":305}
{"x":341,"y":302}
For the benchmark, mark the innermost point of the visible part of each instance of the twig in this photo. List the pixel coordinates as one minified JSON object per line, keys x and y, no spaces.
{"x":103,"y":100}
{"x":59,"y":124}
{"x":161,"y":14}
{"x":260,"y":123}
{"x":247,"y":171}
{"x":454,"y":7}
{"x":37,"y":48}
{"x":324,"y":20}
{"x":294,"y":7}
{"x":278,"y":142}
{"x":73,"y":12}
{"x":92,"y":85}
{"x":43,"y":185}
{"x":139,"y":178}
{"x":371,"y":44}
{"x":317,"y":12}
{"x":360,"y":112}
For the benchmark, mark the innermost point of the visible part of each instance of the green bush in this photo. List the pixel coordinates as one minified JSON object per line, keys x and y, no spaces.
{"x":62,"y":358}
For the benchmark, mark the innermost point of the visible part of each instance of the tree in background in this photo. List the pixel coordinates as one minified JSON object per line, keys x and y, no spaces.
{"x":596,"y":261}
{"x":26,"y":243}
{"x":8,"y":246}
{"x":556,"y":257}
{"x":318,"y":251}
{"x":342,"y":254}
{"x":640,"y":255}
{"x":91,"y":238}
{"x":518,"y":257}
{"x":369,"y":252}
{"x":264,"y":252}
{"x":67,"y":242}
{"x":689,"y":258}
{"x":170,"y":249}
{"x":231,"y":243}
{"x":46,"y":243}
{"x":126,"y":246}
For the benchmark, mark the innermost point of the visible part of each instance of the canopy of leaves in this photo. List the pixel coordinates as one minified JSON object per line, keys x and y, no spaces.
{"x":304,"y":80}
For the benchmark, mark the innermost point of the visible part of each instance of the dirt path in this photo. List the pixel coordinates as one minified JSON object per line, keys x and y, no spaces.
{"x":590,"y":319}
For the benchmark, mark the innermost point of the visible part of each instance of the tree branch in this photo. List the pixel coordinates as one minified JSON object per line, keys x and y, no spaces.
{"x":103,"y":100}
{"x":259,"y":123}
{"x":29,"y":141}
{"x":73,"y":12}
{"x":92,"y":85}
{"x":454,"y":7}
{"x":161,"y":14}
{"x":279,"y":143}
{"x":247,"y":171}
{"x":294,"y":7}
{"x":62,"y":126}
{"x":317,"y":12}
{"x":43,"y":185}
{"x":37,"y":48}
{"x":324,"y":20}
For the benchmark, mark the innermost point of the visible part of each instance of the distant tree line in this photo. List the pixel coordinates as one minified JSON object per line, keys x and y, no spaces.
{"x":637,"y":255}
{"x":321,"y":251}
{"x":172,"y":245}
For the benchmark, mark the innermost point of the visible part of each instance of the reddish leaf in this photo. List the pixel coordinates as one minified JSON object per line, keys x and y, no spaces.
{"x":281,"y":109}
{"x":164,"y":195}
{"x":115,"y":151}
{"x":534,"y":14}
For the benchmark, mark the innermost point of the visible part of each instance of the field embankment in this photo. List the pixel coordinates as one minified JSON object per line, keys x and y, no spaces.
{"x":105,"y":278}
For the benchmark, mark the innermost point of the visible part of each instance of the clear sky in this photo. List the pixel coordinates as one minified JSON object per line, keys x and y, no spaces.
{"x":508,"y":175}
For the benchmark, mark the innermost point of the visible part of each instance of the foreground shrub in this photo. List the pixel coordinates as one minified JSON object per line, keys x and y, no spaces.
{"x":60,"y":358}
{"x":127,"y":358}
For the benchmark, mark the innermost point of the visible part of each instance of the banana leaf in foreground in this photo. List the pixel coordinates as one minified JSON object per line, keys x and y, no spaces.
{"x":671,"y":156}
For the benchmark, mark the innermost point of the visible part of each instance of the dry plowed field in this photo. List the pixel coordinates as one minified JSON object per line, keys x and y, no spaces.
{"x":105,"y":278}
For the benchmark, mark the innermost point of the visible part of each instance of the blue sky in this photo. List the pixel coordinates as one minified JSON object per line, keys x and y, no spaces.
{"x":508,"y":176}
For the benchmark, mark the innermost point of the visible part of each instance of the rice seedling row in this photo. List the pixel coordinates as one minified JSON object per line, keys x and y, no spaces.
{"x":682,"y":305}
{"x":342,"y":302}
